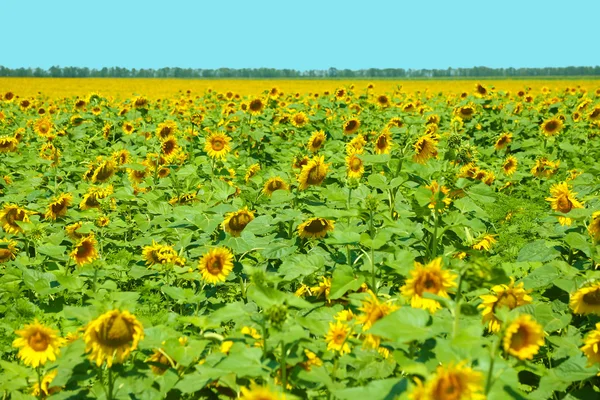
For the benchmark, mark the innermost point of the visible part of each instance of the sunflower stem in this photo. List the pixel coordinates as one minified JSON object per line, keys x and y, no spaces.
{"x":283,"y":367}
{"x":111,"y":384}
{"x":39,"y":376}
{"x":433,"y":248}
{"x":488,"y":382}
{"x":457,"y":305}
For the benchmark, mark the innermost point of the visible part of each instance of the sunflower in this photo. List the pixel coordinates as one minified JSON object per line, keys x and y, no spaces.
{"x":510,"y":165}
{"x":430,"y":278}
{"x":438,"y":193}
{"x":545,"y":168}
{"x":316,"y":141}
{"x":169,"y":146}
{"x":313,"y":173}
{"x":161,"y":254}
{"x":586,"y":300}
{"x":10,"y":215}
{"x":256,"y":106}
{"x":104,"y":171}
{"x":50,"y":152}
{"x":235,"y":222}
{"x":354,"y":166}
{"x":128,"y":128}
{"x":166,"y":129}
{"x":455,"y":382}
{"x":185,"y":198}
{"x":563,"y":200}
{"x":93,"y":195}
{"x":316,"y":228}
{"x":383,"y":101}
{"x":300,"y":161}
{"x":140,"y":102}
{"x":337,"y":337}
{"x":112,"y":337}
{"x":217,"y":145}
{"x":102,"y":221}
{"x":37,"y":344}
{"x":465,"y":113}
{"x":8,"y":144}
{"x":299,"y":119}
{"x":485,"y":242}
{"x":504,"y":140}
{"x":551,"y":127}
{"x":8,"y":250}
{"x":480,"y":90}
{"x":594,"y":227}
{"x":594,"y":114}
{"x":273,"y":184}
{"x":160,"y":362}
{"x":425,"y":148}
{"x":323,"y":288}
{"x":523,"y":338}
{"x":418,"y":392}
{"x":46,"y":390}
{"x":58,"y":206}
{"x":216,"y":265}
{"x":373,"y":310}
{"x":351,"y":126}
{"x":591,"y":347}
{"x":383,"y":143}
{"x":251,"y":172}
{"x":85,"y":250}
{"x":509,"y":296}
{"x":256,"y":392}
{"x":43,"y":127}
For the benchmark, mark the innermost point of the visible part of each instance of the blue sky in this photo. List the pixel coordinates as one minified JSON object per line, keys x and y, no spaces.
{"x":299,"y":34}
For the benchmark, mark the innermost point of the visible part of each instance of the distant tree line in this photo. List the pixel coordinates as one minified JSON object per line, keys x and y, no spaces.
{"x":198,"y":73}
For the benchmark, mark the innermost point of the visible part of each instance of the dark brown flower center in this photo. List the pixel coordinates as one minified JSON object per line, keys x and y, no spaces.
{"x":115,"y":332}
{"x":592,"y":298}
{"x":38,"y":341}
{"x":215,"y":265}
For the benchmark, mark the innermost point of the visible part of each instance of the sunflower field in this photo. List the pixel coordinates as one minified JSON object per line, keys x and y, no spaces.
{"x":337,"y":245}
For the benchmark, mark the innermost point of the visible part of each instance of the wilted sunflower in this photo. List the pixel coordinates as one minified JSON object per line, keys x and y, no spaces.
{"x":300,"y":161}
{"x":316,"y":228}
{"x":523,"y":337}
{"x":383,"y":143}
{"x":354,"y":166}
{"x":235,"y":222}
{"x":299,"y":119}
{"x":58,"y":206}
{"x":46,"y":389}
{"x":8,"y":144}
{"x":430,"y":278}
{"x":594,"y":227}
{"x":37,"y":344}
{"x":373,"y":310}
{"x":85,"y":250}
{"x":216,"y":265}
{"x":563,"y":200}
{"x":510,"y":165}
{"x":251,"y":171}
{"x":504,"y":140}
{"x":8,"y":250}
{"x":313,"y":173}
{"x":425,"y":148}
{"x":455,"y":382}
{"x":485,"y":242}
{"x":273,"y":184}
{"x":112,"y":337}
{"x":256,"y":392}
{"x":586,"y":300}
{"x":551,"y":127}
{"x":10,"y":215}
{"x":509,"y":296}
{"x":351,"y":126}
{"x":217,"y":145}
{"x":316,"y":141}
{"x":337,"y":337}
{"x":591,"y":347}
{"x":256,"y":106}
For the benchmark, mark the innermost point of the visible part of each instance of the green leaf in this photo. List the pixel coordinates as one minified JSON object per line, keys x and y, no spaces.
{"x":375,"y":390}
{"x":403,"y":325}
{"x":343,"y":280}
{"x":537,"y":250}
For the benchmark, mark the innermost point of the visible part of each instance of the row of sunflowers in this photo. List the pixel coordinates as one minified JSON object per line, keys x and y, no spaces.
{"x":397,"y":244}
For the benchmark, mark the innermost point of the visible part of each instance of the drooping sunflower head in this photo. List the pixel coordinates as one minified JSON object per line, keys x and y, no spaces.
{"x":313,"y":173}
{"x":273,"y":184}
{"x":337,"y":337}
{"x":37,"y":344}
{"x":383,"y":143}
{"x":509,"y":296}
{"x":504,"y":140}
{"x":354,"y":166}
{"x":251,"y":171}
{"x":8,"y":144}
{"x":160,"y":362}
{"x":104,"y":171}
{"x":425,"y":148}
{"x":594,"y":115}
{"x":140,"y":102}
{"x":563,"y":200}
{"x":586,"y":300}
{"x":373,"y":310}
{"x":545,"y":168}
{"x":455,"y":382}
{"x":217,"y":145}
{"x":8,"y":250}
{"x":161,"y":254}
{"x":523,"y":337}
{"x":315,"y":228}
{"x":216,"y":265}
{"x":430,"y":278}
{"x":85,"y":250}
{"x":480,"y":90}
{"x":58,"y":206}
{"x":316,"y":141}
{"x":351,"y":126}
{"x":235,"y":222}
{"x":112,"y":337}
{"x":10,"y":215}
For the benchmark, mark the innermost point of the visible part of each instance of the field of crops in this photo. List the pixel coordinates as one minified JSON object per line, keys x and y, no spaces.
{"x":355,"y":241}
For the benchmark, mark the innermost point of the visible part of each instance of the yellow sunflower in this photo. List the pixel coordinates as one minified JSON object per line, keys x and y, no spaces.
{"x":166,"y":129}
{"x":256,"y":106}
{"x":216,"y":265}
{"x":509,"y":296}
{"x":235,"y":222}
{"x":383,"y":101}
{"x":455,"y":382}
{"x":58,"y":206}
{"x":418,"y":392}
{"x":480,"y":90}
{"x":112,"y":337}
{"x":185,"y":198}
{"x":299,"y":119}
{"x":586,"y":300}
{"x":251,"y":171}
{"x":383,"y":143}
{"x":372,"y":311}
{"x":46,"y":389}
{"x":438,"y":193}
{"x":337,"y":337}
{"x":128,"y":128}
{"x":273,"y":184}
{"x":323,"y":288}
{"x":169,"y":146}
{"x":85,"y":251}
{"x":356,"y":145}
{"x":160,"y":362}
{"x":425,"y":148}
{"x":594,"y":114}
{"x":354,"y":166}
{"x":504,"y":140}
{"x":485,"y":242}
{"x":523,"y":338}
{"x":313,"y":173}
{"x":591,"y":347}
{"x":121,"y":156}
{"x":594,"y":227}
{"x":256,"y":392}
{"x":430,"y":278}
{"x":72,"y":231}
{"x":551,"y":127}
{"x":316,"y":141}
{"x":8,"y":250}
{"x":161,"y":254}
{"x":10,"y":215}
{"x":37,"y":344}
{"x":351,"y":126}
{"x":217,"y":145}
{"x":510,"y":165}
{"x":465,"y":113}
{"x":545,"y":168}
{"x":43,"y":127}
{"x":8,"y":144}
{"x":315,"y":228}
{"x":563,"y":200}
